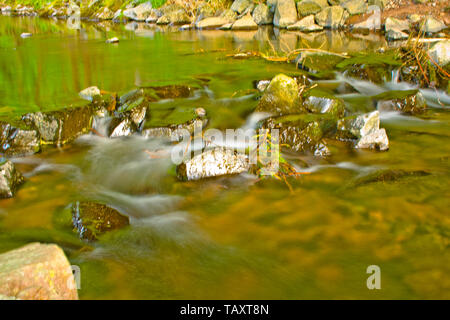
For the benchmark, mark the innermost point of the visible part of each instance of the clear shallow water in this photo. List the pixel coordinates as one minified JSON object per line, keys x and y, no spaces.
{"x":227,"y":237}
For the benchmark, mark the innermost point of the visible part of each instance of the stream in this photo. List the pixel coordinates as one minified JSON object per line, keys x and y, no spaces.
{"x":230,"y":237}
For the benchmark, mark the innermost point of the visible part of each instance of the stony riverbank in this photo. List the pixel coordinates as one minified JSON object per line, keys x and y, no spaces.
{"x":397,"y":19}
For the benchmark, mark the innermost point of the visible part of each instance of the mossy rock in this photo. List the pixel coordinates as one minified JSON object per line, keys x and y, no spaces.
{"x":18,"y":139}
{"x":318,"y":62}
{"x":374,"y":67}
{"x":388,"y":175}
{"x":281,"y":97}
{"x":62,"y":126}
{"x":303,"y":132}
{"x":92,"y":219}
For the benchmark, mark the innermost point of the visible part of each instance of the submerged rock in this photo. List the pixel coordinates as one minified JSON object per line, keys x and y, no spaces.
{"x":168,"y":92}
{"x":394,"y":34}
{"x":388,"y":175}
{"x":212,"y":163}
{"x":62,"y":126}
{"x":285,"y":13}
{"x":281,"y":96}
{"x":10,"y":179}
{"x":37,"y":272}
{"x":18,"y":141}
{"x":317,"y":62}
{"x":92,"y":219}
{"x":407,"y":101}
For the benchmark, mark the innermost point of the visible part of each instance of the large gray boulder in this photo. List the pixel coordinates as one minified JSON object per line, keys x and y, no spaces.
{"x":396,"y":24}
{"x":245,"y":23}
{"x":10,"y":179}
{"x":433,"y":26}
{"x":240,"y":6}
{"x":355,"y":6}
{"x":285,"y":13}
{"x":331,"y":17}
{"x":139,"y":13}
{"x":262,"y":14}
{"x":212,"y":23}
{"x":373,"y":22}
{"x":37,"y":272}
{"x":308,"y":7}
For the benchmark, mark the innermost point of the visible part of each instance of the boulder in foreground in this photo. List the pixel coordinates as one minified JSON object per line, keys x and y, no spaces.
{"x":37,"y":272}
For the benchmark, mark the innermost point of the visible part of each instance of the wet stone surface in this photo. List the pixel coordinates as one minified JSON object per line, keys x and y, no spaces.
{"x":62,"y":126}
{"x":18,"y":141}
{"x":303,"y":133}
{"x":92,"y":219}
{"x":409,"y":101}
{"x":10,"y":179}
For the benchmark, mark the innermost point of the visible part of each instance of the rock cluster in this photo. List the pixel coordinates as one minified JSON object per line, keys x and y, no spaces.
{"x":303,"y":15}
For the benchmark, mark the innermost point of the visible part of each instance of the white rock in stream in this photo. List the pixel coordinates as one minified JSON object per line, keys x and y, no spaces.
{"x":366,"y":124}
{"x":212,"y":163}
{"x":440,"y":52}
{"x":376,"y":139}
{"x":113,"y":40}
{"x":89,"y":93}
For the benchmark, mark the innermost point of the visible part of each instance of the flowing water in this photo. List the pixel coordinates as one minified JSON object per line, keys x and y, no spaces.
{"x":229,"y":237}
